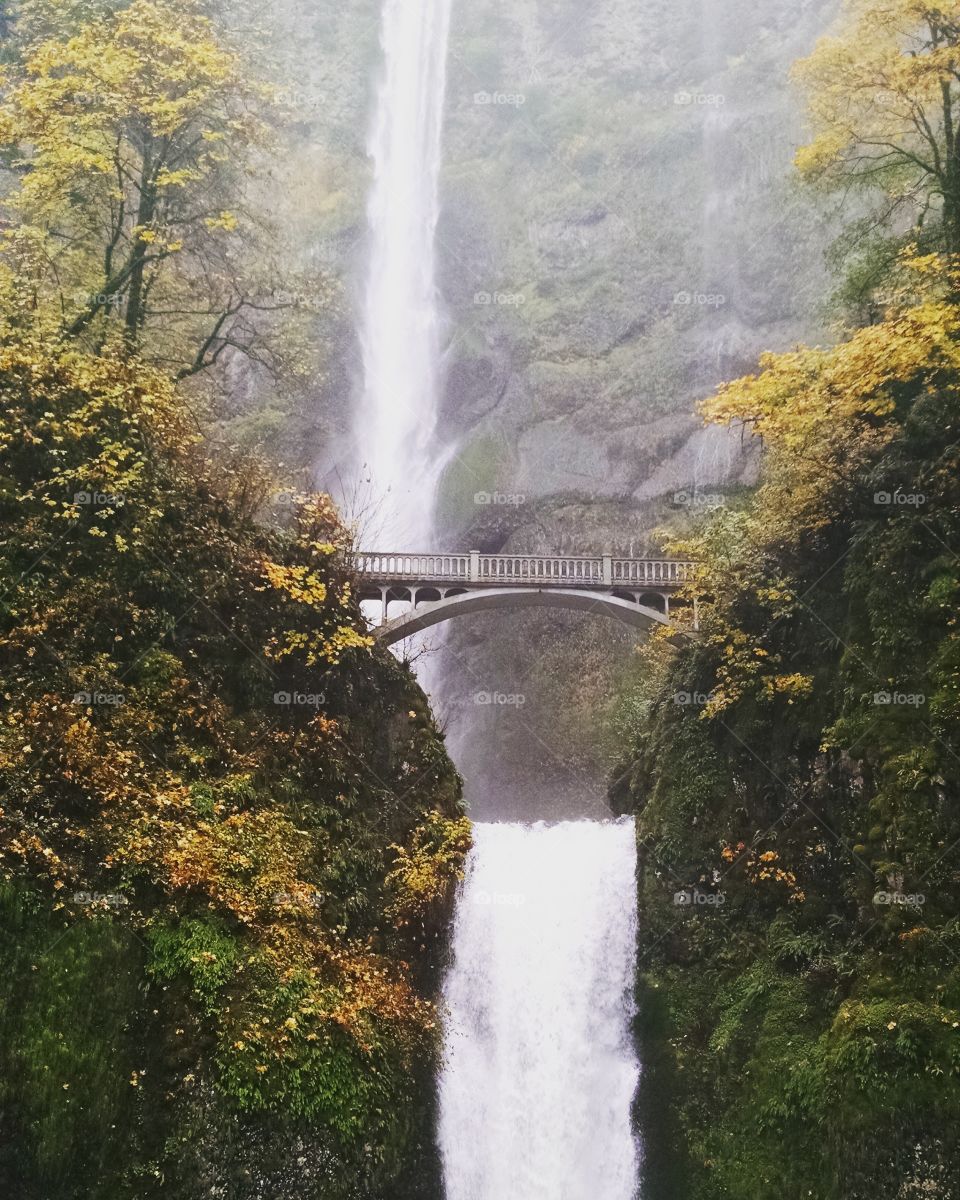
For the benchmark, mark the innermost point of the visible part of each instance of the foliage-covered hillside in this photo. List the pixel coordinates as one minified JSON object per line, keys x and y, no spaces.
{"x":798,"y":773}
{"x":220,"y":810}
{"x":794,"y":766}
{"x":229,"y":830}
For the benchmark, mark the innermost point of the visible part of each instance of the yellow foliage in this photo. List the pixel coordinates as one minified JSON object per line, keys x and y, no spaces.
{"x":119,"y":128}
{"x":424,"y":872}
{"x":824,"y":415}
{"x":299,"y":583}
{"x":883,"y":96}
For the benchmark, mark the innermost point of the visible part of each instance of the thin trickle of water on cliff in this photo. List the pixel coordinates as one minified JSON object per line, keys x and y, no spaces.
{"x":540,"y":1069}
{"x":400,"y":333}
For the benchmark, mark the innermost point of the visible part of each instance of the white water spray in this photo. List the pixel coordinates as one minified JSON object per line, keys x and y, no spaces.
{"x":400,"y":336}
{"x":540,"y":1069}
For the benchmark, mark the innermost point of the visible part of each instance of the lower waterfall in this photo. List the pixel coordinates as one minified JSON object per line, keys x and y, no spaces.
{"x":540,"y":1069}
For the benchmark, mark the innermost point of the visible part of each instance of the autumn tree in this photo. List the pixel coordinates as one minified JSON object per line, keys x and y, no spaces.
{"x":884,"y":98}
{"x":131,"y":131}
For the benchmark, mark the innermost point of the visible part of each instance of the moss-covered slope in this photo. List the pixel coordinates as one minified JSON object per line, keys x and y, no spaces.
{"x":229,"y":829}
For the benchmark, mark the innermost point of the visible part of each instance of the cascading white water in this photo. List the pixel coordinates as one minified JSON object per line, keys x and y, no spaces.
{"x":540,"y":1069}
{"x":400,"y":335}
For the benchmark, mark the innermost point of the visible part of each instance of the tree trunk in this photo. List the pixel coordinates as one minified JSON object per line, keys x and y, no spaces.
{"x":146,"y":210}
{"x":951,"y":174}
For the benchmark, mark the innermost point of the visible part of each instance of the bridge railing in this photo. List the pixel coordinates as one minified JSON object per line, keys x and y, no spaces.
{"x":527,"y":568}
{"x":488,"y":569}
{"x":432,"y":567}
{"x":645,"y":571}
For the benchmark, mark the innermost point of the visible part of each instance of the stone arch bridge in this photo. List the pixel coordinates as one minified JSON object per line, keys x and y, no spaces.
{"x":439,"y":587}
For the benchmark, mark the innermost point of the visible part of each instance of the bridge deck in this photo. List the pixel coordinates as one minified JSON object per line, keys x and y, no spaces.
{"x":602,"y":571}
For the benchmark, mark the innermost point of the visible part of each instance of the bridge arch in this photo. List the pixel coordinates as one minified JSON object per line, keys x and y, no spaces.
{"x":427,"y":614}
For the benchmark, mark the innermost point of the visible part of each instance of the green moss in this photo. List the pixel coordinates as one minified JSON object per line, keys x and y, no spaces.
{"x":201,"y":950}
{"x":74,"y":1030}
{"x":477,"y":469}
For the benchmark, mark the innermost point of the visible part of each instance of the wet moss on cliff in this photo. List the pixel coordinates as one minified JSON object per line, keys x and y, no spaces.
{"x":794,"y":773}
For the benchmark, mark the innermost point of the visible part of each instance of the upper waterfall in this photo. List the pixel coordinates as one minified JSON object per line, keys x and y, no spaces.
{"x":400,"y":333}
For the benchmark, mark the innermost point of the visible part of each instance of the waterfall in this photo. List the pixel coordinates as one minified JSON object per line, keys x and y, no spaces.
{"x":400,"y":335}
{"x":540,"y":1070}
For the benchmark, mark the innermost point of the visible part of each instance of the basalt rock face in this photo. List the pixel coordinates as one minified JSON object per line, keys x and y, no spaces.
{"x":622,"y":232}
